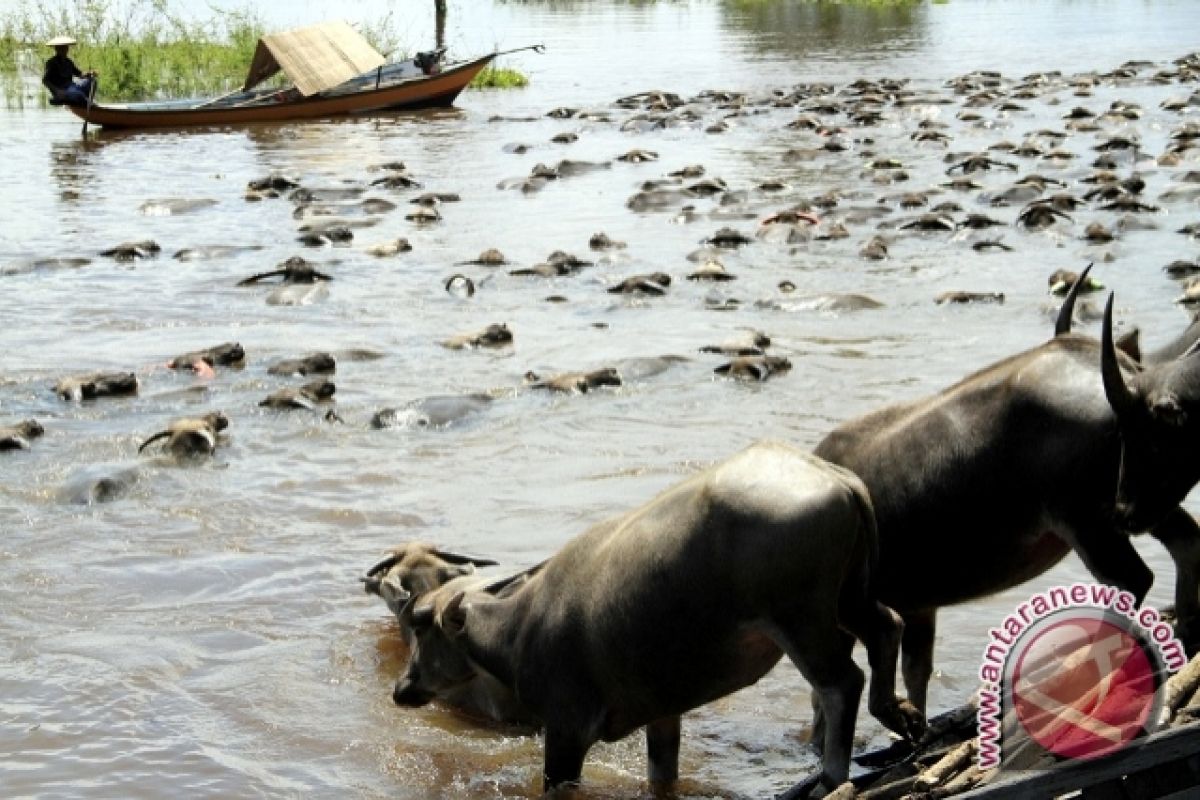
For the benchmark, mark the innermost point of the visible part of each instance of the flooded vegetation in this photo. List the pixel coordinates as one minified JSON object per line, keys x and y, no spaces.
{"x":259,"y":358}
{"x":149,"y":49}
{"x":141,"y":50}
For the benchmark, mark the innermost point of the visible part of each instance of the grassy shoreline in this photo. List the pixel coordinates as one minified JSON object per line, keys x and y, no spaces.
{"x":143,"y":50}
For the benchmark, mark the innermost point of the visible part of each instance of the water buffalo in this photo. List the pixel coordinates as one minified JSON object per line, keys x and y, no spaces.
{"x":575,"y":382}
{"x":131,"y":251}
{"x":417,"y":570}
{"x":314,"y":364}
{"x":757,"y":368}
{"x":495,"y":335}
{"x":676,"y":604}
{"x":229,"y":354}
{"x":191,"y":436}
{"x":437,"y":411}
{"x":293,"y":270}
{"x":97,"y":384}
{"x":1032,"y":457}
{"x":16,"y":437}
{"x":304,"y":397}
{"x":414,"y":569}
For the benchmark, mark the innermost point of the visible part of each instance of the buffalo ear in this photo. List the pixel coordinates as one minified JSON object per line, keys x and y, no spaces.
{"x":453,"y":619}
{"x":402,"y":584}
{"x":1130,"y":343}
{"x":1166,"y":408}
{"x":417,"y":617}
{"x":393,"y":592}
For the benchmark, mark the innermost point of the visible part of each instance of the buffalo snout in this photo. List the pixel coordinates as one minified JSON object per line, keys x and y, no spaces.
{"x":409,"y":695}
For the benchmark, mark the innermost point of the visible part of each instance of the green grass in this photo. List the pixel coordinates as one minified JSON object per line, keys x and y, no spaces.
{"x":141,"y":49}
{"x":499,"y":78}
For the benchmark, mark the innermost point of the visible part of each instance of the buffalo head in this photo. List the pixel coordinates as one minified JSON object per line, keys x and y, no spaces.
{"x":414,"y":569}
{"x":438,"y":662}
{"x":1158,"y":413}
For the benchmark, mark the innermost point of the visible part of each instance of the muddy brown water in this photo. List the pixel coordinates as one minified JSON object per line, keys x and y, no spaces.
{"x":202,"y":631}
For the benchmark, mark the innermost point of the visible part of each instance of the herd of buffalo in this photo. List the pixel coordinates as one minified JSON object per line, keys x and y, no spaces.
{"x":1070,"y":446}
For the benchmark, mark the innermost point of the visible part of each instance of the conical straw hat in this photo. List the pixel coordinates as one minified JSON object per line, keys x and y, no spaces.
{"x":60,"y":40}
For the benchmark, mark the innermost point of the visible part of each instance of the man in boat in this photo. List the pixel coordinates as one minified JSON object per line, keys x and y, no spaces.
{"x":61,"y":72}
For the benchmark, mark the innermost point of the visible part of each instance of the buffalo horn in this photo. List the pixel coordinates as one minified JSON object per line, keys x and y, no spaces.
{"x":385,"y":565}
{"x":1119,"y":396}
{"x":455,"y":558}
{"x":1063,"y":323}
{"x":1191,"y":351}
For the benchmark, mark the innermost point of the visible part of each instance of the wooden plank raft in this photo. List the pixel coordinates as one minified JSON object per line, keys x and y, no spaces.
{"x":1163,"y":766}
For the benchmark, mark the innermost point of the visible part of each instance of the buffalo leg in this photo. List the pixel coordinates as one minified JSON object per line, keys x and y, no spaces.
{"x":920,"y":628}
{"x":662,"y":750}
{"x":817,"y":737}
{"x":1180,"y":534}
{"x":564,"y":758}
{"x":1112,"y":559}
{"x":815,"y":648}
{"x":880,"y":629}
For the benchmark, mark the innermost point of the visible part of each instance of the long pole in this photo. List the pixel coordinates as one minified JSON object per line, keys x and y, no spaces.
{"x":537,"y":48}
{"x":87,"y":112}
{"x":222,"y":97}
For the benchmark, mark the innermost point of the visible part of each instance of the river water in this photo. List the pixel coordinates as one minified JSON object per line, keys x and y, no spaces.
{"x":202,"y":631}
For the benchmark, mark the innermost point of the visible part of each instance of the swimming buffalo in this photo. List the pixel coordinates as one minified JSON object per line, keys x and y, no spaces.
{"x":192,"y":436}
{"x":97,"y":384}
{"x":696,"y":594}
{"x":228,"y":354}
{"x":293,"y":270}
{"x":575,"y":382}
{"x":305,"y":397}
{"x":16,"y":437}
{"x":314,"y":364}
{"x":414,"y":569}
{"x":495,"y":335}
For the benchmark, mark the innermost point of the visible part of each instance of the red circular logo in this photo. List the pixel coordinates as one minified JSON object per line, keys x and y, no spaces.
{"x":1083,"y":687}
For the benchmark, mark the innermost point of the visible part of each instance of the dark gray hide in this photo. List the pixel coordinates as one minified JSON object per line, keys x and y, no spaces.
{"x":994,"y":480}
{"x":693,"y":596}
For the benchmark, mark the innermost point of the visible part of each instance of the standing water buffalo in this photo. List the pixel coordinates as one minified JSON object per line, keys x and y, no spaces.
{"x":676,"y":604}
{"x":418,"y":570}
{"x":1037,"y":455}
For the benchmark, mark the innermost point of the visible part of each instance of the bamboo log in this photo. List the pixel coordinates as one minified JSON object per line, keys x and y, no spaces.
{"x":949,"y":765}
{"x":847,"y":791}
{"x":1181,"y":686}
{"x":891,"y":791}
{"x":950,"y":727}
{"x":965,"y":780}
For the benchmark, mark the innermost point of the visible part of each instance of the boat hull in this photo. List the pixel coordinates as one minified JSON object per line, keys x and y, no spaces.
{"x":435,"y":90}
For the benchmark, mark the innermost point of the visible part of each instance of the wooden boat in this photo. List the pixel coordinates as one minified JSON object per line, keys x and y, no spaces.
{"x":334,"y":72}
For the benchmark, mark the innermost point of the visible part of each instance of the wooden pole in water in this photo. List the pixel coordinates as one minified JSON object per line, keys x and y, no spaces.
{"x":87,"y":111}
{"x":439,"y":22}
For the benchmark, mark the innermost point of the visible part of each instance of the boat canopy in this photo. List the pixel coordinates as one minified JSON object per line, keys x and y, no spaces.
{"x":315,"y":58}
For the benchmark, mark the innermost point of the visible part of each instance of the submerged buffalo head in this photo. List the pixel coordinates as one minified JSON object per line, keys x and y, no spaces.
{"x":438,"y":663}
{"x":1158,"y":413}
{"x":415,"y":568}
